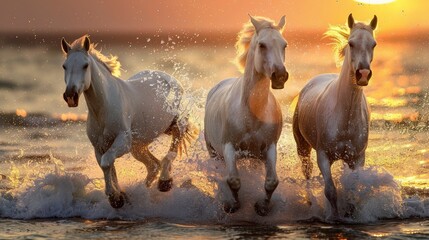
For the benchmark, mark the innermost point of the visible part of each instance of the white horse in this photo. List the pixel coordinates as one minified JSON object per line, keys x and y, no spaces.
{"x":125,"y":116}
{"x":242,"y":117}
{"x":332,"y":115}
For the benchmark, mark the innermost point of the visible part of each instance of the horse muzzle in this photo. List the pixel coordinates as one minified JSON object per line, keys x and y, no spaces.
{"x":363,"y":76}
{"x":278,"y":79}
{"x":71,"y":98}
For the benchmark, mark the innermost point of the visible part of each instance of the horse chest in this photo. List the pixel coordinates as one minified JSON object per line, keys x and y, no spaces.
{"x":255,"y":142}
{"x":249,"y":140}
{"x":347,"y":143}
{"x":100,"y":139}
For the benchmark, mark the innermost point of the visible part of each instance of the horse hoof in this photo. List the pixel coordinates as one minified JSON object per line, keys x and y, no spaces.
{"x":229,"y":207}
{"x":350,"y":211}
{"x":148,"y":182}
{"x":119,"y":201}
{"x":165,"y":185}
{"x":262,"y":208}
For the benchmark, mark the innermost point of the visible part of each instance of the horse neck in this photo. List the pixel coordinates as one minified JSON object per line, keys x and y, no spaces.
{"x":255,"y":86}
{"x":95,"y":95}
{"x":349,"y":96}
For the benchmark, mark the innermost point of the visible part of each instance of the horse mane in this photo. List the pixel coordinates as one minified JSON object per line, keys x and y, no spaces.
{"x":339,"y":34}
{"x":244,"y":38}
{"x":111,"y":63}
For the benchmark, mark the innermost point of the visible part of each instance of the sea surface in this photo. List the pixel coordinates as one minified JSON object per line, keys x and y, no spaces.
{"x":51,"y":186}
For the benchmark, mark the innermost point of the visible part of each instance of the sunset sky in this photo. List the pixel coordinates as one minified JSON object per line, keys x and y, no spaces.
{"x":201,"y":16}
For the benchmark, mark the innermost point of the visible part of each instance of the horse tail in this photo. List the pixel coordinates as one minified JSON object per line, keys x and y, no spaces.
{"x":189,"y":133}
{"x":186,"y":131}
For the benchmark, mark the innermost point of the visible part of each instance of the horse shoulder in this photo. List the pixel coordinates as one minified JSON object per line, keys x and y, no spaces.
{"x":314,"y":108}
{"x":219,"y":102}
{"x":220,"y":120}
{"x":93,"y":129}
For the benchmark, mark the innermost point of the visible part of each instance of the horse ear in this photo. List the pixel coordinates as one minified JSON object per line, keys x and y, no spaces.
{"x":351,"y":21}
{"x":373,"y":23}
{"x":255,"y":23}
{"x":65,"y":46}
{"x":282,"y":22}
{"x":86,"y":43}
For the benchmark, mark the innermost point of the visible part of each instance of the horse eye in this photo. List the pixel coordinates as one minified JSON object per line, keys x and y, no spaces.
{"x":262,"y":46}
{"x":64,"y":67}
{"x":85,"y":66}
{"x":351,"y":44}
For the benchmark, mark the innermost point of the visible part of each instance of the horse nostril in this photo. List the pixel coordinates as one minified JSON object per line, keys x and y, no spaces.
{"x":76,"y":97}
{"x":65,"y":97}
{"x":358,"y":75}
{"x":273,"y":75}
{"x":286,"y":75}
{"x":365,"y":73}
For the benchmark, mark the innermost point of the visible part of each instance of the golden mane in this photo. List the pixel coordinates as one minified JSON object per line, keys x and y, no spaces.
{"x":111,"y":63}
{"x":245,"y":37}
{"x":340,"y":34}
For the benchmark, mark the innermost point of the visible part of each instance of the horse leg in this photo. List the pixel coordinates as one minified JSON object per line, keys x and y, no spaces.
{"x":119,"y":147}
{"x":352,"y":190}
{"x":210,"y":149}
{"x":303,"y":149}
{"x":117,"y":201}
{"x":307,"y":165}
{"x":330,"y":190}
{"x":165,"y":180}
{"x":142,"y":154}
{"x":360,"y":162}
{"x":233,"y":180}
{"x":111,"y":185}
{"x":271,"y":180}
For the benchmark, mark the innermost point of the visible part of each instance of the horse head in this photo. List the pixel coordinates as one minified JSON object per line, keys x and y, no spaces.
{"x":269,"y":52}
{"x":361,"y":46}
{"x":76,"y":69}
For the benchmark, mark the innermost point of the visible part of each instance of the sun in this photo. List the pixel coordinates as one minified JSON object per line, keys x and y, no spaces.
{"x":375,"y":1}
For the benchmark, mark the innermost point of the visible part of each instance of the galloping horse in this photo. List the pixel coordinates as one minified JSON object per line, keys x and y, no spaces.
{"x":242,"y":117}
{"x":125,"y":116}
{"x":332,"y":115}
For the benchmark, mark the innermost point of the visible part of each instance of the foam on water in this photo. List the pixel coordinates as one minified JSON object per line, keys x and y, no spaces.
{"x":31,"y":191}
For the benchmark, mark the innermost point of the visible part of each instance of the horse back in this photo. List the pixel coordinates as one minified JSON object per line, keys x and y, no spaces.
{"x":155,"y":97}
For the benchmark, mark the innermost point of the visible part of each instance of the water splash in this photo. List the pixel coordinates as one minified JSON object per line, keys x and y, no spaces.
{"x":58,"y":191}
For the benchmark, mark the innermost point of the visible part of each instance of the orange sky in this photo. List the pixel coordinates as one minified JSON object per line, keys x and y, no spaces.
{"x":200,"y":15}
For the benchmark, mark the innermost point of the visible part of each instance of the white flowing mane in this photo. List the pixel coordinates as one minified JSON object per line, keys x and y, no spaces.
{"x":111,"y":63}
{"x":245,"y":37}
{"x":339,"y":34}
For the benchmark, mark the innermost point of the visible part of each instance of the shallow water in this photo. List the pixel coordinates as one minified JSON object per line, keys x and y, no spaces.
{"x":51,"y":186}
{"x":108,"y":229}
